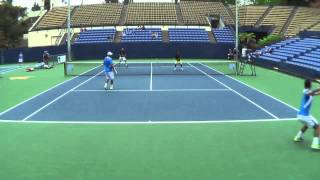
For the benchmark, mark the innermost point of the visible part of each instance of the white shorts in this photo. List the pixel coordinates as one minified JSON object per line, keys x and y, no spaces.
{"x":109,"y":75}
{"x":121,"y":59}
{"x":310,"y":121}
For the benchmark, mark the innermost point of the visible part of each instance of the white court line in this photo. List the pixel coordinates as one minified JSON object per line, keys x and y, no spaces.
{"x":244,"y":97}
{"x":10,"y":70}
{"x":13,"y":107}
{"x":148,"y":122}
{"x":151,"y":76}
{"x":146,"y":90}
{"x":252,"y":88}
{"x":62,"y":95}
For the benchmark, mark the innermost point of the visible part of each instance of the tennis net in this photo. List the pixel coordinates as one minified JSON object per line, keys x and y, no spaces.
{"x":86,"y":68}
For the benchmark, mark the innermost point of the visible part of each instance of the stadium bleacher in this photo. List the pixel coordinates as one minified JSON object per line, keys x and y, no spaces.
{"x":224,"y":35}
{"x":188,"y":35}
{"x":249,"y":15}
{"x":316,"y":27}
{"x":54,"y":18}
{"x":303,"y":19}
{"x":96,"y":36}
{"x":277,"y":17}
{"x":192,"y":13}
{"x":151,"y":14}
{"x":298,"y":52}
{"x":142,"y":35}
{"x":195,"y":13}
{"x":97,"y":15}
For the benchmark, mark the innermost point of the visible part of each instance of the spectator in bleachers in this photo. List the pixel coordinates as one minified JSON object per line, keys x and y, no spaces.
{"x":109,"y":38}
{"x":268,"y":50}
{"x":154,"y":35}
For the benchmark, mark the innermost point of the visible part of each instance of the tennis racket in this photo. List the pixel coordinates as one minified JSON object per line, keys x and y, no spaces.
{"x":115,"y":69}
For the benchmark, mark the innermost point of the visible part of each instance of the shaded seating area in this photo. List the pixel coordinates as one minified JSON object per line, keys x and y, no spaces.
{"x":195,"y":12}
{"x":303,"y":19}
{"x":151,"y":14}
{"x":55,"y":18}
{"x":277,"y":17}
{"x":97,"y":15}
{"x":188,"y":35}
{"x":249,"y":15}
{"x":96,"y":36}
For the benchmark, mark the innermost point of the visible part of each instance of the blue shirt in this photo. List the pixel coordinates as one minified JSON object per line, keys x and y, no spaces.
{"x":305,"y":103}
{"x":107,"y":64}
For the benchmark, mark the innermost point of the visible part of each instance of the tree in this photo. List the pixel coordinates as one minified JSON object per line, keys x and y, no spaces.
{"x":9,"y":1}
{"x":12,"y":25}
{"x":111,"y":1}
{"x":247,"y":40}
{"x":281,"y":2}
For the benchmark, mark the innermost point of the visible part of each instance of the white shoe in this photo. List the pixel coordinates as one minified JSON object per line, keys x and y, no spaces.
{"x":174,"y":69}
{"x":181,"y":69}
{"x":111,"y":87}
{"x":105,"y":86}
{"x":315,"y":146}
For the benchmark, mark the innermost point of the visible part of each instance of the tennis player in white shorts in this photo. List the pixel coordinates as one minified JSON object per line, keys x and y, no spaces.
{"x":305,"y":118}
{"x":108,"y":69}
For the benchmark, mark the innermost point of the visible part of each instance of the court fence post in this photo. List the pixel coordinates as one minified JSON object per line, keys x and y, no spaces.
{"x":1,"y":56}
{"x":65,"y":68}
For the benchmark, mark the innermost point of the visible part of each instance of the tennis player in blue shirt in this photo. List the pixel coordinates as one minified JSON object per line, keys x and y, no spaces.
{"x":108,"y":69}
{"x":305,"y":118}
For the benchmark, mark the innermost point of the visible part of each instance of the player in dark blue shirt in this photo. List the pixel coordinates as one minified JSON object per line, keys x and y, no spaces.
{"x":122,"y":57}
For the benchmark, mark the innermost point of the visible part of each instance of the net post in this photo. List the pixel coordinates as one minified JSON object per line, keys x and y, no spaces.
{"x":65,"y":68}
{"x":69,"y":31}
{"x":237,"y":38}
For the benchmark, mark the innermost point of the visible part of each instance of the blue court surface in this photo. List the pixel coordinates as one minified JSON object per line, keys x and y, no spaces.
{"x":152,"y":98}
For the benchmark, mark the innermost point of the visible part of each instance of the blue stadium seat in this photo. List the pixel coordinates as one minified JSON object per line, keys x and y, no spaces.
{"x":96,"y":36}
{"x":224,"y":35}
{"x":188,"y":35}
{"x":299,"y":52}
{"x":146,"y":35}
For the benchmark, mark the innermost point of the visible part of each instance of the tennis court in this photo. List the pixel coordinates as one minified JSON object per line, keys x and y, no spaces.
{"x":152,"y":92}
{"x":7,"y":69}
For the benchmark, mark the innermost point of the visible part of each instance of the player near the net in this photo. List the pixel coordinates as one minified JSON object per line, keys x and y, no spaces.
{"x":305,"y":117}
{"x":109,"y":70}
{"x":178,"y":60}
{"x":123,"y":57}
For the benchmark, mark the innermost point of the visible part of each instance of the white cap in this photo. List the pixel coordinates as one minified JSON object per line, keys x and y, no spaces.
{"x":109,"y":53}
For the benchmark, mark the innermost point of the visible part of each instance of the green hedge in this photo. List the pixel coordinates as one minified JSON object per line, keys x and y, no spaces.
{"x":269,"y":40}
